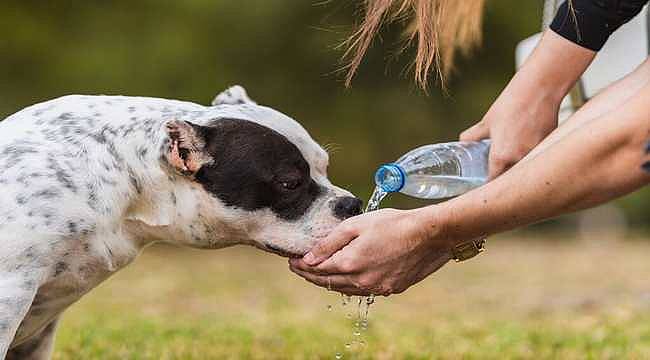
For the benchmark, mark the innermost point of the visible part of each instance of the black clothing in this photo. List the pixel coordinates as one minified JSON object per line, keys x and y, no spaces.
{"x":597,"y":20}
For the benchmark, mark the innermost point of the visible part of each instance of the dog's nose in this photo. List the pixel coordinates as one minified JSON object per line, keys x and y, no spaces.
{"x":347,"y":207}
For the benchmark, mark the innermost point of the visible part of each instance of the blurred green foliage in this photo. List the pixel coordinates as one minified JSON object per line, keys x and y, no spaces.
{"x":283,"y":51}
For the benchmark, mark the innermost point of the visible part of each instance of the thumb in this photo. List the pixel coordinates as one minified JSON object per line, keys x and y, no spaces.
{"x":335,"y":241}
{"x":477,"y":132}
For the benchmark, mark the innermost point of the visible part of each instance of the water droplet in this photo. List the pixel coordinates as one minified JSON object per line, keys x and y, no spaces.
{"x":347,"y":346}
{"x":357,"y":333}
{"x":329,"y":307}
{"x":370,"y":299}
{"x":348,"y":315}
{"x":345,"y":299}
{"x":339,"y":356}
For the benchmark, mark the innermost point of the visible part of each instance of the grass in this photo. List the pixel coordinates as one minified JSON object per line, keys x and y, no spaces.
{"x":523,"y":299}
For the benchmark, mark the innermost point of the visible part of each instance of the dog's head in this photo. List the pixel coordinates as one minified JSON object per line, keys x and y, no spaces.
{"x":255,"y":177}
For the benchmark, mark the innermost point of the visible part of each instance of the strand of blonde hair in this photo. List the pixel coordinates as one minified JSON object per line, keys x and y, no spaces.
{"x":438,"y":28}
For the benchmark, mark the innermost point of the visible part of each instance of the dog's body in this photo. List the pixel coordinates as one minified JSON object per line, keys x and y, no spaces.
{"x":86,"y":182}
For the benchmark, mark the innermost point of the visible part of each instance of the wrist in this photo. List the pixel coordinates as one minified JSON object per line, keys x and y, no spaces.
{"x":433,"y":222}
{"x":528,"y":89}
{"x":442,"y":237}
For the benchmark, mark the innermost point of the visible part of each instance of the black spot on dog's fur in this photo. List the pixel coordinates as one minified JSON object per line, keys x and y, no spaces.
{"x":92,"y":198}
{"x":134,"y":181}
{"x":60,"y":268}
{"x":255,"y":167}
{"x":73,"y":228}
{"x":47,"y":193}
{"x":62,"y":176}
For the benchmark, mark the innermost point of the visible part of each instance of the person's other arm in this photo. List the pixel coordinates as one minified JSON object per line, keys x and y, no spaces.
{"x":526,"y":111}
{"x":607,"y":100}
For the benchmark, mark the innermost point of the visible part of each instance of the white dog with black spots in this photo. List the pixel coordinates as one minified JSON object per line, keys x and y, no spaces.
{"x":88,"y":181}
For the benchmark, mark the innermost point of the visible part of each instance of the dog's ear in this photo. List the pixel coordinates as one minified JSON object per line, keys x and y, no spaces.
{"x":186,"y":152}
{"x":234,"y":95}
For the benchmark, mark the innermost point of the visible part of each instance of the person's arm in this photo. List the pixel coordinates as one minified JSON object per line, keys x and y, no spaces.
{"x":605,"y":101}
{"x":387,"y":251}
{"x":527,"y":109}
{"x":593,"y":164}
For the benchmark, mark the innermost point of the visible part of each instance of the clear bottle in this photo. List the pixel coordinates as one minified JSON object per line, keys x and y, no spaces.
{"x":437,"y":171}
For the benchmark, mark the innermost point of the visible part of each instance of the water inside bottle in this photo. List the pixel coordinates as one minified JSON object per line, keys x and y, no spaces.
{"x":439,"y":187}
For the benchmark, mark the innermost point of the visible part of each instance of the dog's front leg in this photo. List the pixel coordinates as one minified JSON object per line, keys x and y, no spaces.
{"x":17,"y":292}
{"x":36,"y":348}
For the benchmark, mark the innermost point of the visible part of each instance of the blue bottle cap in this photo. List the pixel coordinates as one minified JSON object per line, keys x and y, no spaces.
{"x":390,"y":178}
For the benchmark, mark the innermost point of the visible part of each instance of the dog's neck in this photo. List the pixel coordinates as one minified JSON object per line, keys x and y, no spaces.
{"x":166,"y":206}
{"x":179,"y":211}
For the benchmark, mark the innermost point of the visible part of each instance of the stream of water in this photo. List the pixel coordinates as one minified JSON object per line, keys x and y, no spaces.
{"x":363,"y":302}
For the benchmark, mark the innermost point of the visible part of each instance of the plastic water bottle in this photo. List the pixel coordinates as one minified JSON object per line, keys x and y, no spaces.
{"x":437,"y":171}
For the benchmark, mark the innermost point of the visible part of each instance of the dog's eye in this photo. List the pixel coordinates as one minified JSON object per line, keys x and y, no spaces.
{"x":290,"y":184}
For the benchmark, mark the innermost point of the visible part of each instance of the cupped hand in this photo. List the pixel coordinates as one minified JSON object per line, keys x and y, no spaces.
{"x":382,"y":252}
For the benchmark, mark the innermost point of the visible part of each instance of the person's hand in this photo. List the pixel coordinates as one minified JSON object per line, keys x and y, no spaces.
{"x":382,"y":252}
{"x":516,"y":122}
{"x":526,"y":111}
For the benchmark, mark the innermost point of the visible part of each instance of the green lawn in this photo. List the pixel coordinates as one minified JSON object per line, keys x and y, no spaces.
{"x":522,"y":299}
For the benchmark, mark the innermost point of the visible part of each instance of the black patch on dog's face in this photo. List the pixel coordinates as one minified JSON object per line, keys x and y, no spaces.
{"x":255,"y":167}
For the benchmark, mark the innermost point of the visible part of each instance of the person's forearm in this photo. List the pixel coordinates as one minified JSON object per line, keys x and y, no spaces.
{"x":551,"y":70}
{"x":591,"y":165}
{"x":607,"y":100}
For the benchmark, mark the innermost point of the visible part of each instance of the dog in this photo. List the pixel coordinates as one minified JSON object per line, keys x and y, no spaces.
{"x":87,"y":182}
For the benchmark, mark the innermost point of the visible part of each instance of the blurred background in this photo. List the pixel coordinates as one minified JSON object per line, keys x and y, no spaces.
{"x":286,"y":54}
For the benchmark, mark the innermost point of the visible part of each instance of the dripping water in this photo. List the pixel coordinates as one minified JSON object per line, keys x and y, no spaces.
{"x":364,"y":302}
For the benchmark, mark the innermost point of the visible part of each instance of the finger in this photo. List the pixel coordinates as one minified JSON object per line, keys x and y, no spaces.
{"x":338,"y":283}
{"x":352,"y":291}
{"x":477,"y":132}
{"x":496,"y":169}
{"x":301,"y":265}
{"x":340,"y":236}
{"x":498,"y":164}
{"x":330,"y":282}
{"x":338,"y":264}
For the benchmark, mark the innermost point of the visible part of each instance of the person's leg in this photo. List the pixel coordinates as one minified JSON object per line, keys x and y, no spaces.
{"x":607,"y":100}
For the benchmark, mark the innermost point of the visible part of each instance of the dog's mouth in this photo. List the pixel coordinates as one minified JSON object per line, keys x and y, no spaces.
{"x":278,"y":251}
